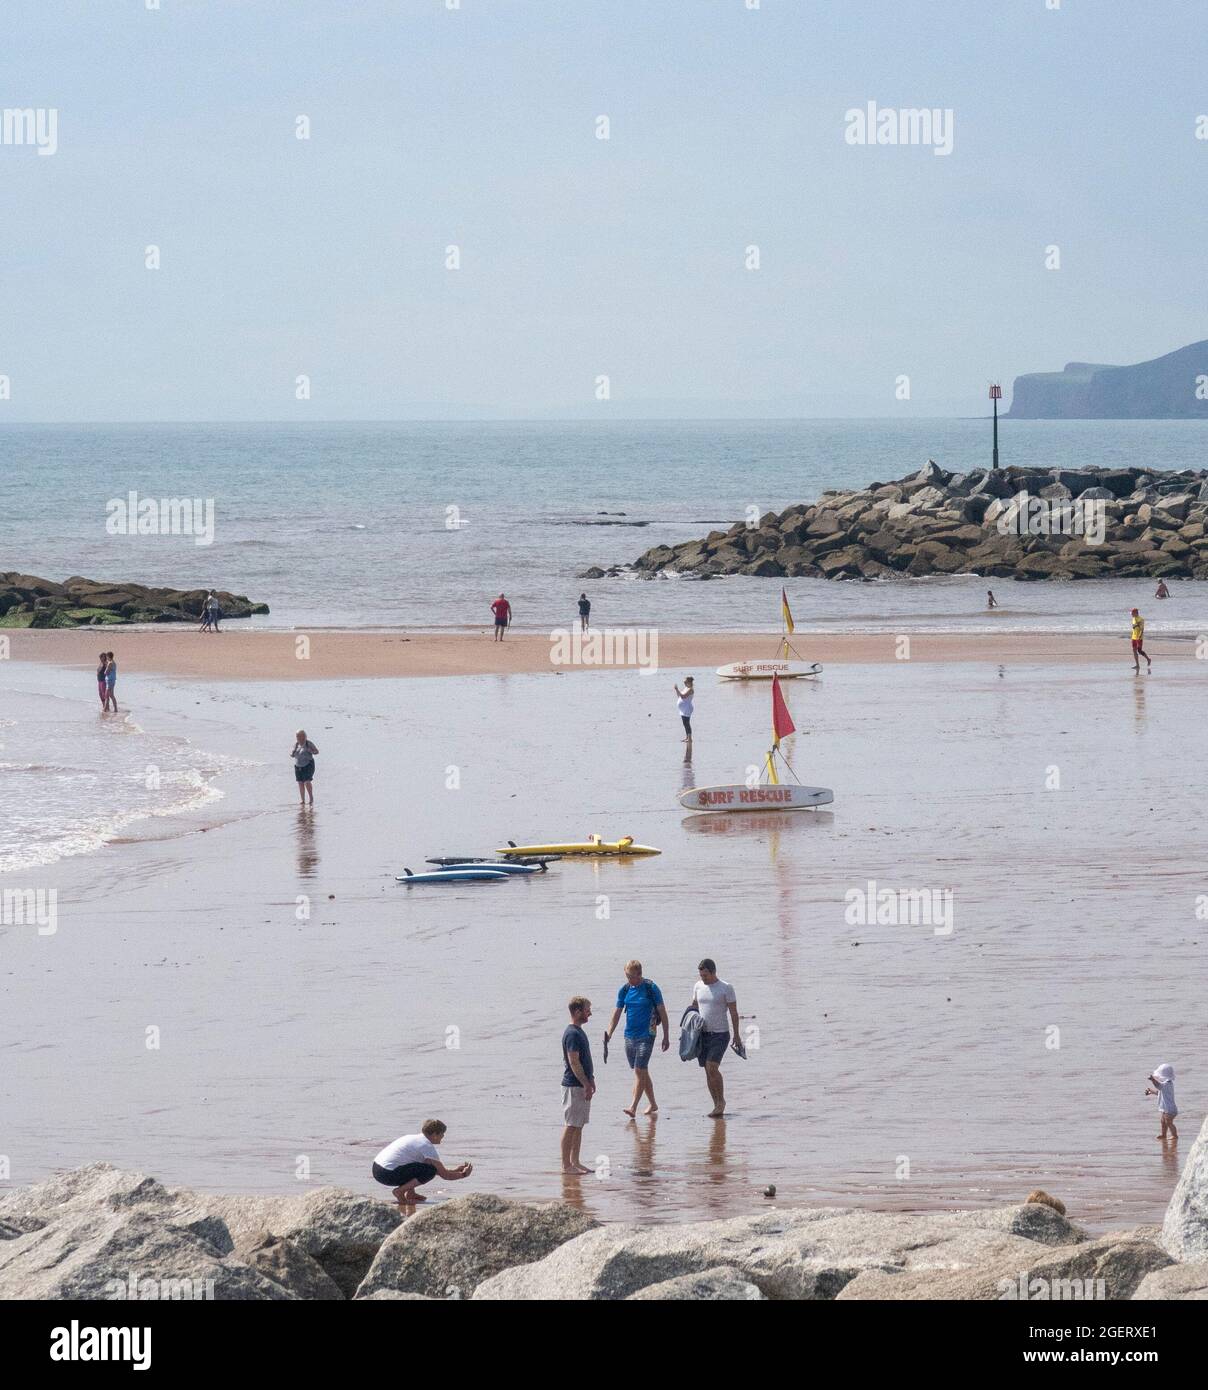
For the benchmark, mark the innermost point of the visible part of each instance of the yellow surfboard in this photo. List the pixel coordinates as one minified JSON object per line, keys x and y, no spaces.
{"x":594,"y":845}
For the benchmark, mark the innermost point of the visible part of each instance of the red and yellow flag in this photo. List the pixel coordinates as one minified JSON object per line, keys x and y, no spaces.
{"x":782,"y":720}
{"x":785,"y":611}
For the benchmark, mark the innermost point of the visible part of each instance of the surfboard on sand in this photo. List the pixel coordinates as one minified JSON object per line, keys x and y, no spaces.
{"x":765,"y":669}
{"x":784,"y":796}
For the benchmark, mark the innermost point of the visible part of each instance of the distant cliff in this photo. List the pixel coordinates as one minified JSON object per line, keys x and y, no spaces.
{"x":1174,"y":387}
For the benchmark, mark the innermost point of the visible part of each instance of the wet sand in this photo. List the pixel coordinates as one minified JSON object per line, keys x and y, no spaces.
{"x":309,"y":1008}
{"x":257,"y":654}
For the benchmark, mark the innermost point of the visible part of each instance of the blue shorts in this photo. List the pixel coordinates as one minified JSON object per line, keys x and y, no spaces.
{"x":713,"y":1047}
{"x":638,"y":1050}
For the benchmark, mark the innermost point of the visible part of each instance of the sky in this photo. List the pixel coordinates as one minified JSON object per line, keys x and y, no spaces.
{"x":598,"y":278}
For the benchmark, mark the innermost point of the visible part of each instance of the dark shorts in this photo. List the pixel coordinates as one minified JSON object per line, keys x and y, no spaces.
{"x":501,"y":622}
{"x":687,"y":718}
{"x":713,"y":1047}
{"x":304,"y":774}
{"x":639,"y":1050}
{"x":396,"y":1177}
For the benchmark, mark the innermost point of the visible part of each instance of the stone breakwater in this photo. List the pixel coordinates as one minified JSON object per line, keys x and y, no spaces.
{"x":100,"y":1233}
{"x":27,"y":601}
{"x":1089,"y":523}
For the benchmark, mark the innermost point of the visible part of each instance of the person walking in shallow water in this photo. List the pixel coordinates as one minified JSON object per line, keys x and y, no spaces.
{"x":684,"y":704}
{"x":991,"y":601}
{"x":584,"y":613}
{"x":1162,"y":1079}
{"x":303,"y":754}
{"x":110,"y":682}
{"x":1138,"y":643}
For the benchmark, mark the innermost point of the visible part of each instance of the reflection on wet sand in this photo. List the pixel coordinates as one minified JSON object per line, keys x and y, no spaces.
{"x":750,"y":823}
{"x":306,"y":848}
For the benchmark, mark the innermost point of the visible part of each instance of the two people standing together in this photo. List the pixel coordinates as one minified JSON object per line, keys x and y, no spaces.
{"x":106,"y":681}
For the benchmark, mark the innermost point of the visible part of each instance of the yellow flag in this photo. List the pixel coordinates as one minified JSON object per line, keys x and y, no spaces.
{"x":784,"y":608}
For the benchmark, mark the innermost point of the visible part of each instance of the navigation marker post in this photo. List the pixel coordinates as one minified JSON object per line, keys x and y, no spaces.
{"x":995,"y":396}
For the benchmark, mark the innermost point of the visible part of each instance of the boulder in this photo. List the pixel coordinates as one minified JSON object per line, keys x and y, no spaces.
{"x":456,"y":1246}
{"x":1185,"y":1229}
{"x":1110,"y":1267}
{"x":806,"y":1253}
{"x":288,"y":1265}
{"x":340,"y":1230}
{"x":97,"y":1253}
{"x":1175,"y":1282}
{"x":724,"y":1284}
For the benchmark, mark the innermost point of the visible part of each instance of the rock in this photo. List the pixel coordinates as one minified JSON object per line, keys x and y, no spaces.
{"x":1185,"y":1229}
{"x":792,"y":1254}
{"x":1056,"y":492}
{"x":94,"y":1254}
{"x":461,"y":1243}
{"x":341,"y":1231}
{"x":712,"y":1285}
{"x":932,"y":474}
{"x":288,"y":1265}
{"x":1096,"y":494}
{"x":1175,"y":1282}
{"x":1108,"y":1268}
{"x":1176,"y":505}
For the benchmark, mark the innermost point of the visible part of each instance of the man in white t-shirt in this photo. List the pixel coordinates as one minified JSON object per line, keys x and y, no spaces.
{"x":413,"y":1160}
{"x":717,"y":1004}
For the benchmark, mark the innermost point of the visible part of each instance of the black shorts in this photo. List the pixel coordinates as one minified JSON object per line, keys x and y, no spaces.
{"x":396,"y":1177}
{"x":305,"y":774}
{"x":501,"y":622}
{"x":713,"y":1047}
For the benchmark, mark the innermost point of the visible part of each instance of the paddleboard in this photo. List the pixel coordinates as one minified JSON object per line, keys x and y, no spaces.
{"x":764,"y":670}
{"x":500,"y":868}
{"x":595,"y":845}
{"x":467,"y":875}
{"x":784,"y":796}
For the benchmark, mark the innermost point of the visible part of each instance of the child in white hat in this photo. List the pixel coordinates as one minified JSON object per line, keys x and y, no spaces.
{"x":1163,"y":1079}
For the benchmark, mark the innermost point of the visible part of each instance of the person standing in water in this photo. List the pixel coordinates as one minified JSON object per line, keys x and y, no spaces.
{"x":1162,"y":1078}
{"x":641,"y":1001}
{"x":102,"y":688}
{"x":1138,"y":643}
{"x":578,"y":1084}
{"x":584,"y":612}
{"x":684,"y":705}
{"x":502,"y":610}
{"x":991,"y":601}
{"x":714,"y":999}
{"x":303,"y":754}
{"x":1162,"y":591}
{"x":110,"y":682}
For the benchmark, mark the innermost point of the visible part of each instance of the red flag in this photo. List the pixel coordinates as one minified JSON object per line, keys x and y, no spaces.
{"x":782,"y":721}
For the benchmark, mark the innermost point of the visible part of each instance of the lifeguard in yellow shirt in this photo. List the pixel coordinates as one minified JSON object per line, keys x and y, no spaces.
{"x":1138,"y":639}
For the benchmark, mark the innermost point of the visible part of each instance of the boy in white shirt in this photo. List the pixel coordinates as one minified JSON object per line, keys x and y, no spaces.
{"x":714,"y":999}
{"x":413,"y":1160}
{"x":1163,"y":1079}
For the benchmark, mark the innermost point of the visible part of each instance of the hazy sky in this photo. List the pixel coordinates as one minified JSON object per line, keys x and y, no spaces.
{"x":583,"y":257}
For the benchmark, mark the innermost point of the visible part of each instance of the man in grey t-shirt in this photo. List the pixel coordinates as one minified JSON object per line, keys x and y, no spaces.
{"x":717,"y":1004}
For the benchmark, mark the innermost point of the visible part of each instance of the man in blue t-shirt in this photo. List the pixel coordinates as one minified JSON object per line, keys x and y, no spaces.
{"x":642,"y":1002}
{"x":578,"y":1083}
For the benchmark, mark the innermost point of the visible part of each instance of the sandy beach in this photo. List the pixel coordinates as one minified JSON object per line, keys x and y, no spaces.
{"x":302,"y":655}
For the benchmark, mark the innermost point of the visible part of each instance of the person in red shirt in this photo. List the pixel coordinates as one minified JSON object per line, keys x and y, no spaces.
{"x":502,"y":610}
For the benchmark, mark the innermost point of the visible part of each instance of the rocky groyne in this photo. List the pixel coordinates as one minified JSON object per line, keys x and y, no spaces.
{"x":27,"y":601}
{"x":1011,"y":523}
{"x":100,"y":1233}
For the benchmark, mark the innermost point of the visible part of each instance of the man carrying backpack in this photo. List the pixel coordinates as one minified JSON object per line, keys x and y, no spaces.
{"x":714,"y":999}
{"x":641,"y":1001}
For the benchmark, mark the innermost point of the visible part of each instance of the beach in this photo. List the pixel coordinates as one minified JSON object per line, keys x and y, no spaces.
{"x":302,"y":654}
{"x":238,"y":992}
